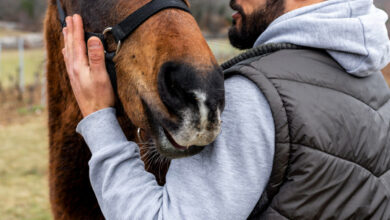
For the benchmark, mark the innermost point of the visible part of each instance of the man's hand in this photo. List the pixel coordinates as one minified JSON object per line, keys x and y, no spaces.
{"x":88,"y":75}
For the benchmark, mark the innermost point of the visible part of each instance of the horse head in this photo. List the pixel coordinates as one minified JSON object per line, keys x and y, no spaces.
{"x":168,"y":81}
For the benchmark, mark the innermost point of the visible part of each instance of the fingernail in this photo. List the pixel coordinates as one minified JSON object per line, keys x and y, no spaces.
{"x":94,"y":44}
{"x":67,"y":20}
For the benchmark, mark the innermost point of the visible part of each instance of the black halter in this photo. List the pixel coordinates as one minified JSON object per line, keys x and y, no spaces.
{"x":125,"y":28}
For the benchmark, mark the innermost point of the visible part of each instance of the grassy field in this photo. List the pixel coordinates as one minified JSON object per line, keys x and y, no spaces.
{"x":23,"y":170}
{"x":34,"y":61}
{"x":9,"y":64}
{"x":11,"y":33}
{"x":222,"y":49}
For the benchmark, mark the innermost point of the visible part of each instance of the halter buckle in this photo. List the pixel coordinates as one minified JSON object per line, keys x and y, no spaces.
{"x":119,"y":45}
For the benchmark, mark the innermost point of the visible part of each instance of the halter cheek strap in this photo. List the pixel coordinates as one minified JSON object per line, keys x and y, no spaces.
{"x":125,"y":28}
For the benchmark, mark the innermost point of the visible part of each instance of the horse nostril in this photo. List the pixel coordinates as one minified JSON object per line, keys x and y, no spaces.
{"x":182,"y":87}
{"x":175,"y":83}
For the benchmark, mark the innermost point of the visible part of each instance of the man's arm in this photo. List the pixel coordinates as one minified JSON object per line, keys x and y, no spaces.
{"x":224,"y":181}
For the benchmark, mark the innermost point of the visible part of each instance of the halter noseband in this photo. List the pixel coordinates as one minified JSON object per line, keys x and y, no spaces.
{"x":125,"y":28}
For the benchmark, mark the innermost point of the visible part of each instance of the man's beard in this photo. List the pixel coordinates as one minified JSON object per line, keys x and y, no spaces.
{"x":253,"y":25}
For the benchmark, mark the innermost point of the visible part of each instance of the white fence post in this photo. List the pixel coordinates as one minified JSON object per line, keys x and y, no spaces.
{"x":43,"y":89}
{"x":21,"y":64}
{"x":1,"y":50}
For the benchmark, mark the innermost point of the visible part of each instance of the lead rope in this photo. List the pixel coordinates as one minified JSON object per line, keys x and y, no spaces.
{"x":262,"y":50}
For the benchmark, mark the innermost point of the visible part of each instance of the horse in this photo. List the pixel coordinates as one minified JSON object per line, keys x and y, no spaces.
{"x":170,"y":96}
{"x":386,"y":73}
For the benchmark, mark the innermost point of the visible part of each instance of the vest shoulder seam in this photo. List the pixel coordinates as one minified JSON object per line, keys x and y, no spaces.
{"x":325,"y":87}
{"x":292,"y":80}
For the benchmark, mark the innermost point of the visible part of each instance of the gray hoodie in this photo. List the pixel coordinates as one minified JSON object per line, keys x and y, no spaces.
{"x":352,"y":31}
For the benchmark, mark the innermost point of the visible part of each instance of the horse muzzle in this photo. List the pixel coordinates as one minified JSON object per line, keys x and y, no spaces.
{"x":196,"y":99}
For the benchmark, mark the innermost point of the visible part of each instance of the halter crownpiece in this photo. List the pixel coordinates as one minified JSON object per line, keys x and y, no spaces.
{"x":125,"y":28}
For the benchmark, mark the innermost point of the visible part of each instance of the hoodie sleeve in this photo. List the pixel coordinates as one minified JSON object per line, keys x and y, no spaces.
{"x":224,"y":181}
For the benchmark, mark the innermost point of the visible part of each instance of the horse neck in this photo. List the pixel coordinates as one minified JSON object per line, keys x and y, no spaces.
{"x":64,"y":113}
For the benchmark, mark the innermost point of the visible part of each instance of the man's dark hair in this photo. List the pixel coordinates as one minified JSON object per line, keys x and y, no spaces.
{"x":253,"y":25}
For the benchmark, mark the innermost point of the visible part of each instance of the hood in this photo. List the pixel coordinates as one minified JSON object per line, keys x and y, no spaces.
{"x":353,"y":32}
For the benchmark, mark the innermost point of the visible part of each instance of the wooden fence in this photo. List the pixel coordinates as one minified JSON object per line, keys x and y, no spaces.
{"x":17,"y":90}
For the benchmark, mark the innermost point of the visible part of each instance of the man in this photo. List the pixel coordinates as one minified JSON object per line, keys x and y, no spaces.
{"x":306,"y":131}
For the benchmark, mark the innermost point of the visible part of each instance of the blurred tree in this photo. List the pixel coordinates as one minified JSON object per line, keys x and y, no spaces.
{"x":212,"y":16}
{"x":28,"y":7}
{"x":29,"y":13}
{"x":385,"y":5}
{"x":8,"y":9}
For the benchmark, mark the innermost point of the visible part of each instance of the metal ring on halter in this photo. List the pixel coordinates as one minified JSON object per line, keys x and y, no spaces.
{"x":118,"y":47}
{"x":139,"y":134}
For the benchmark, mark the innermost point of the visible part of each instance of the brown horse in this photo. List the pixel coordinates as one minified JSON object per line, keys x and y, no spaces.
{"x":386,"y":73}
{"x":169,"y":84}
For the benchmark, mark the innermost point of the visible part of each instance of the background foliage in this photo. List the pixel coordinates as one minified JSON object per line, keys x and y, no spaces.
{"x":212,"y":15}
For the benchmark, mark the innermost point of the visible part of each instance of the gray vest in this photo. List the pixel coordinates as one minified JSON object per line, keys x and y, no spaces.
{"x":332,"y":156}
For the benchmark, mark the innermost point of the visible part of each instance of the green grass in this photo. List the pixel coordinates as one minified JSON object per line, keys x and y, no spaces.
{"x":23,"y":170}
{"x":9,"y":64}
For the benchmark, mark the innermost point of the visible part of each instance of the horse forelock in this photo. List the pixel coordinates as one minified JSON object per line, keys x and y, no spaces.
{"x":98,"y":14}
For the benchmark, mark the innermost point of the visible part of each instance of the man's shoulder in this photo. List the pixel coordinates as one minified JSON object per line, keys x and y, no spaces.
{"x":287,"y":60}
{"x":244,"y":99}
{"x":240,"y":90}
{"x":303,"y":65}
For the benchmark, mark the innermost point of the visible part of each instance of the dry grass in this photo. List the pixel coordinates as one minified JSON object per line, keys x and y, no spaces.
{"x":23,"y":169}
{"x":9,"y":64}
{"x":11,"y":33}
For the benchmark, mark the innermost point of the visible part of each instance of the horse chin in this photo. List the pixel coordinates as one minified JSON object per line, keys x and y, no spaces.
{"x":166,"y":146}
{"x":159,"y":138}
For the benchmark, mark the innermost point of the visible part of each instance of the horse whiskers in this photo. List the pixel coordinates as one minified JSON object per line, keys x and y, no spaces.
{"x":151,"y":153}
{"x":153,"y":158}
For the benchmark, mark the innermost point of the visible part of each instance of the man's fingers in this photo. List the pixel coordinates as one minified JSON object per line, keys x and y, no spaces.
{"x":69,"y":44}
{"x":78,"y":41}
{"x":65,"y":53}
{"x":96,"y":56}
{"x":65,"y":31}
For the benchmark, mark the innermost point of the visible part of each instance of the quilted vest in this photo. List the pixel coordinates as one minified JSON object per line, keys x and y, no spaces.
{"x":332,"y":146}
